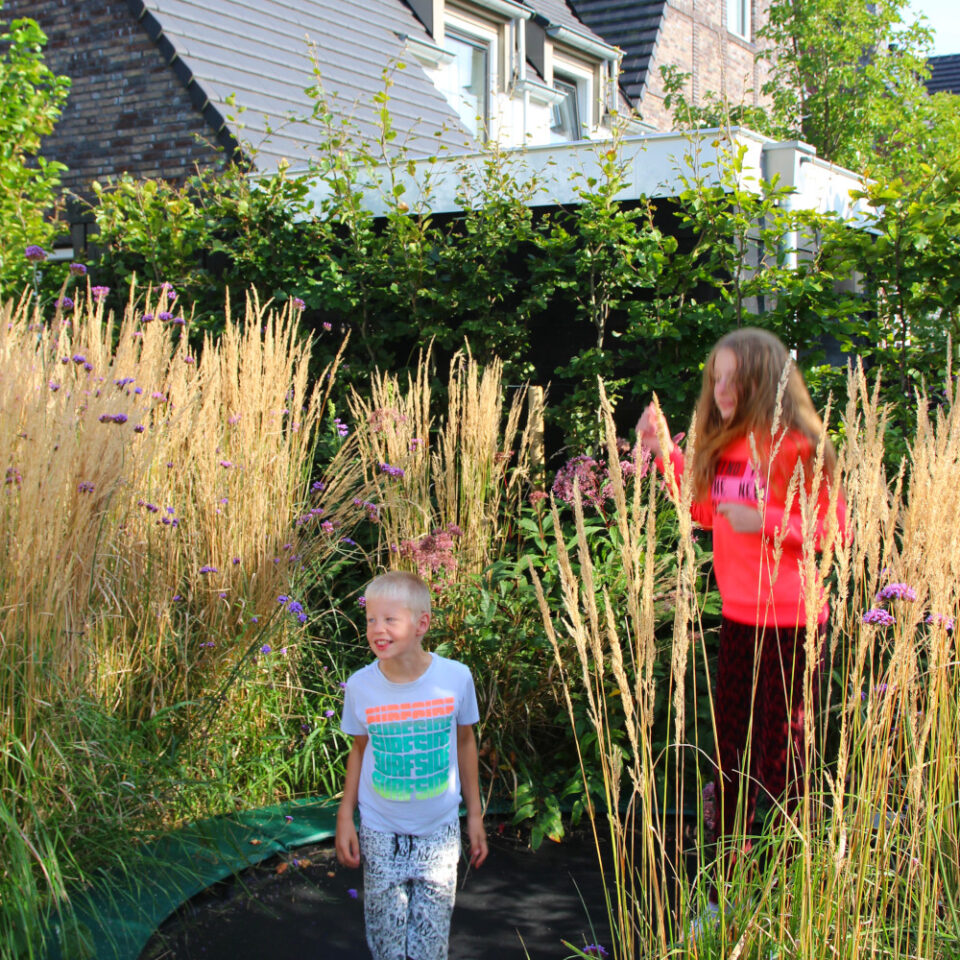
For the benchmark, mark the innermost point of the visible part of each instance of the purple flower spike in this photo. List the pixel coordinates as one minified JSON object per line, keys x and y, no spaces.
{"x":878,"y":616}
{"x":897,"y":591}
{"x":35,"y":254}
{"x":78,"y":269}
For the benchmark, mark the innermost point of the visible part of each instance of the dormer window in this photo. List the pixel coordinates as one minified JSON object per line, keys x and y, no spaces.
{"x":566,"y":113}
{"x":468,"y":80}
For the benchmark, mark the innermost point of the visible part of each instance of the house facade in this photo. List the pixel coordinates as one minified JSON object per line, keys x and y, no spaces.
{"x":715,"y":42}
{"x":160,"y":86}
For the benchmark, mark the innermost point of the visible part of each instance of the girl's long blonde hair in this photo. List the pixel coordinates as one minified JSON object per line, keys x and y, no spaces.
{"x":762,"y":362}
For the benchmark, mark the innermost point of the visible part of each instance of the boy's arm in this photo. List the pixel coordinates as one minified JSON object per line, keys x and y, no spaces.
{"x":347,"y":842}
{"x":469,"y":764}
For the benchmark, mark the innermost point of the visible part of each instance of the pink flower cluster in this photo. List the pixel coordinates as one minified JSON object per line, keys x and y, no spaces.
{"x":434,"y":553}
{"x":593,"y":478}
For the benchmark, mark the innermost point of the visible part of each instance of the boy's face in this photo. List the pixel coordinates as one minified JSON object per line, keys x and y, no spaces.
{"x":394,"y":631}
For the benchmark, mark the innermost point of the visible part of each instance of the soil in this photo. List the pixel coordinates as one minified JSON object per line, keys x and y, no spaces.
{"x":304,"y":904}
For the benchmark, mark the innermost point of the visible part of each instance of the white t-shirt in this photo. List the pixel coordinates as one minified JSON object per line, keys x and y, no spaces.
{"x":410,"y":779}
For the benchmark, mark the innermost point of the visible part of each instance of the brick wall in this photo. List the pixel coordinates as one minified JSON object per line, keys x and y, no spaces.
{"x":694,"y":36}
{"x":127,"y":109}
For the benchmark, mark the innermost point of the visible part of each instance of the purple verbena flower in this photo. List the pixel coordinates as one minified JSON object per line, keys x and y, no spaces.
{"x":35,"y":254}
{"x":878,"y":616}
{"x":99,"y":293}
{"x":266,"y":648}
{"x":897,"y":591}
{"x":85,"y":486}
{"x":208,"y":569}
{"x":78,"y":269}
{"x":147,"y":318}
{"x":298,"y":304}
{"x":164,"y":316}
{"x":938,"y":618}
{"x":64,"y":303}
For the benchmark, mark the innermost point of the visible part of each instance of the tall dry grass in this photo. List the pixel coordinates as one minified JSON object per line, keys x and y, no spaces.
{"x":152,"y":503}
{"x":469,"y":472}
{"x":869,"y":863}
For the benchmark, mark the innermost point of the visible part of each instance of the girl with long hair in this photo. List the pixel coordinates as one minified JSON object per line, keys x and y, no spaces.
{"x":757,"y":437}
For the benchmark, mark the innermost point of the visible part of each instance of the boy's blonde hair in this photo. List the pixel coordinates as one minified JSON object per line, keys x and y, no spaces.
{"x":402,"y":587}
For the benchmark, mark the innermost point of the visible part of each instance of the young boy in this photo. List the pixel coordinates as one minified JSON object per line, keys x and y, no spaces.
{"x":410,"y":714}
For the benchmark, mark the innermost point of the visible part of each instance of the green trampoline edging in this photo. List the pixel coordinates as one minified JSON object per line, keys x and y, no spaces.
{"x":120,"y":911}
{"x":118,"y":914}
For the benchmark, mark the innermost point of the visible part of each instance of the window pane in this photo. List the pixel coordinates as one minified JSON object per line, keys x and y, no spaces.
{"x":467,"y":78}
{"x":566,"y":113}
{"x":738,"y":17}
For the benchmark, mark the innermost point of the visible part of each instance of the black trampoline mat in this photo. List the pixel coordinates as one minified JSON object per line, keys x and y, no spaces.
{"x":519,"y":903}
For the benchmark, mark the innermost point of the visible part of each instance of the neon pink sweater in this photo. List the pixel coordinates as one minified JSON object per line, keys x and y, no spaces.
{"x":743,"y":562}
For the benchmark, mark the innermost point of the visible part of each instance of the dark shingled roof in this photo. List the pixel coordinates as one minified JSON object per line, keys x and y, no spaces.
{"x":632,"y":25}
{"x":944,"y":74}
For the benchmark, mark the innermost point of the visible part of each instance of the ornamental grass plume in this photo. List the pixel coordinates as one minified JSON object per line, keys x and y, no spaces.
{"x":468,"y":473}
{"x":124,"y":505}
{"x":868,"y":863}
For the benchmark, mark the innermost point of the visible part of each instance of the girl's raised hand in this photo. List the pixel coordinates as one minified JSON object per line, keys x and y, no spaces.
{"x":648,"y":430}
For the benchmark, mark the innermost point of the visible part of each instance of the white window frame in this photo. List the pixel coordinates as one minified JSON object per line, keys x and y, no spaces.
{"x":480,"y":33}
{"x":584,"y":77}
{"x":740,"y":18}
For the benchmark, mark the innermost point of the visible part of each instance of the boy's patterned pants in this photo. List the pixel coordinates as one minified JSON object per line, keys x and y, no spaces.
{"x":409,"y":885}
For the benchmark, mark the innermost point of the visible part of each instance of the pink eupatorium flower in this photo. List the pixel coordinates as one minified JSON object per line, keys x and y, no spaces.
{"x":434,"y":553}
{"x":586,"y":473}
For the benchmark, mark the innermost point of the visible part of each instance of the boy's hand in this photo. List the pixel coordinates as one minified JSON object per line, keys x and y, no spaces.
{"x":478,"y":839}
{"x":347,"y":842}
